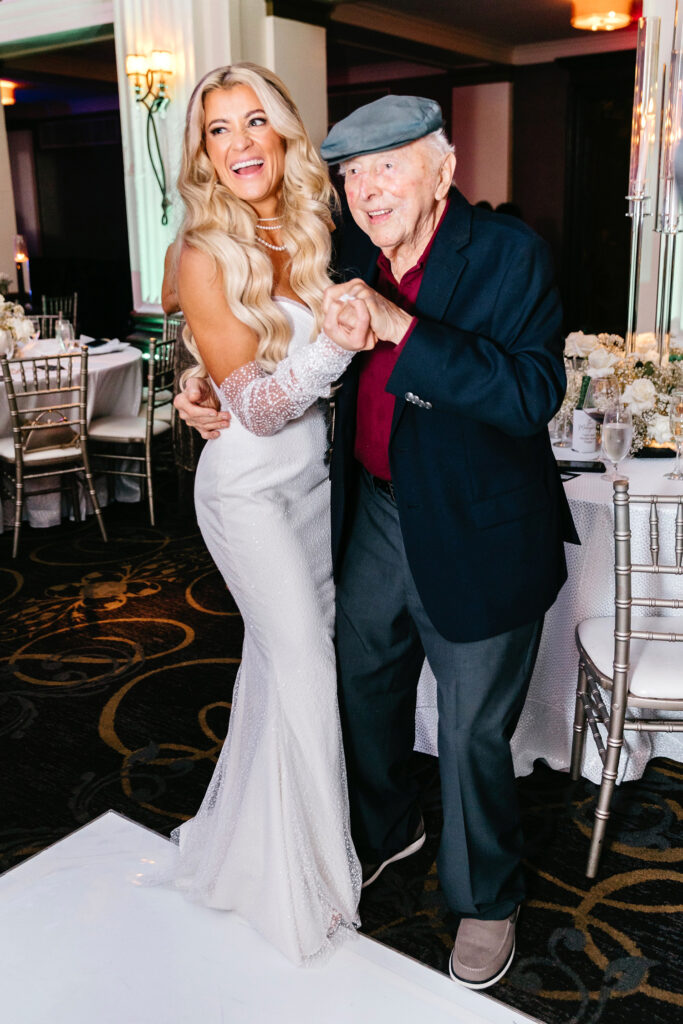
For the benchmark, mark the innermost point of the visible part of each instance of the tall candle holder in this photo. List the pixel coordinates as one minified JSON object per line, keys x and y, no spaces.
{"x":643,"y":131}
{"x":669,"y":219}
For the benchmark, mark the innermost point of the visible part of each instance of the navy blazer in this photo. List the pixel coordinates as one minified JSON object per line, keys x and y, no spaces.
{"x":481,"y":505}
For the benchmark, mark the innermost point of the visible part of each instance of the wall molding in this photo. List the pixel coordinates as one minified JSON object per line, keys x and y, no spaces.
{"x":421,"y":30}
{"x":33,"y":19}
{"x":426,"y":31}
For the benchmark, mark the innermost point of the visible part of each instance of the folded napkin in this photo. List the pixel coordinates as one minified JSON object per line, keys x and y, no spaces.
{"x":100,"y":346}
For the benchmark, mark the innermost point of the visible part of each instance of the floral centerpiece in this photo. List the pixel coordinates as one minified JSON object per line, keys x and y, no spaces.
{"x":645,"y":385}
{"x":14,"y":326}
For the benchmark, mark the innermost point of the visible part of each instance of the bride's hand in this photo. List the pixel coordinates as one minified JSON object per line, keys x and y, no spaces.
{"x":197,"y":406}
{"x":347,"y":323}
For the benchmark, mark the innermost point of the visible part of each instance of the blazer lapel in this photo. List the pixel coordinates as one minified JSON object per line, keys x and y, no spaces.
{"x":445,"y":265}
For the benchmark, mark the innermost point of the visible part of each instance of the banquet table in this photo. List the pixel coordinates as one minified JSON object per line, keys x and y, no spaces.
{"x":545,"y":727}
{"x":114,"y":388}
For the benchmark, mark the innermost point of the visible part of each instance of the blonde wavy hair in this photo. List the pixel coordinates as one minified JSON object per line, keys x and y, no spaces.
{"x":220,"y":224}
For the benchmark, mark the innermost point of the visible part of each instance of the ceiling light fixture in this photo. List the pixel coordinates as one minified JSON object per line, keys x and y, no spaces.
{"x":601,"y":15}
{"x":7,"y":93}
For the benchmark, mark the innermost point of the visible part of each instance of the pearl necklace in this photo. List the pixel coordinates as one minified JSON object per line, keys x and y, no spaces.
{"x":262,"y":226}
{"x":269,"y":245}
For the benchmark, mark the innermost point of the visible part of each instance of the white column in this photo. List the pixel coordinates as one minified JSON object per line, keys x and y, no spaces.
{"x":141,"y":26}
{"x":7,"y":215}
{"x":296,"y":52}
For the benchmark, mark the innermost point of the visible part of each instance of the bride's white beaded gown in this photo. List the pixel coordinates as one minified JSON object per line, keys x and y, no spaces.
{"x":271,"y":839}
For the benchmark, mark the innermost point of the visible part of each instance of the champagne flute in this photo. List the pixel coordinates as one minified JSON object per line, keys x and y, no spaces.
{"x":563,"y":425}
{"x":676,"y":424}
{"x":617,"y":434}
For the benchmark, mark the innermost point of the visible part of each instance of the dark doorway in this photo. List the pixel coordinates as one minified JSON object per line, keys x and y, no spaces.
{"x":597,"y":231}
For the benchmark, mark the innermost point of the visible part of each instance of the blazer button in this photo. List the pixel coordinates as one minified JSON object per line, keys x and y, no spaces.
{"x":410,"y":397}
{"x":428,"y":405}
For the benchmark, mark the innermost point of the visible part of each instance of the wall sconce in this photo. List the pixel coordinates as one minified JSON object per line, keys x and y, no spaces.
{"x":149,"y":83}
{"x":601,"y":15}
{"x":7,"y":93}
{"x":20,"y":257}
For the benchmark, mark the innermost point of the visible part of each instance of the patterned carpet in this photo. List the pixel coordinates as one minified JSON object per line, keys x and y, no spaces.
{"x":116,"y":671}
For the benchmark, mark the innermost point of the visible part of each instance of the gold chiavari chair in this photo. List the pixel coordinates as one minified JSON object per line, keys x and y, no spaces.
{"x":637,"y":660}
{"x":45,"y":323}
{"x":143,"y":431}
{"x":47,"y":398}
{"x":68,"y":304}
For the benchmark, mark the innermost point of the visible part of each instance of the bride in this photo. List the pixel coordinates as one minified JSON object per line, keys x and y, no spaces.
{"x":271,"y":839}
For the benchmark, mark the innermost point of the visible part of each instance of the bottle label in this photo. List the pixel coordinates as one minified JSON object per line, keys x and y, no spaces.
{"x":584,"y":437}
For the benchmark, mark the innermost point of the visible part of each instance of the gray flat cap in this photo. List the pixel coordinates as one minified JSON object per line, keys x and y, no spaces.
{"x":387,"y":123}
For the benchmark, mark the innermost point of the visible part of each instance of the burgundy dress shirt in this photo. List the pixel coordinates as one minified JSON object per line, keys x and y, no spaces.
{"x":375,"y":404}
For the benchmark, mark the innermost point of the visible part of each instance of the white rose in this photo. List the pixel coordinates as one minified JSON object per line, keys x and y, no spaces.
{"x":24,"y":330}
{"x":12,"y":323}
{"x":640,"y":395}
{"x":660,"y":429}
{"x":579,"y":344}
{"x":600,"y":362}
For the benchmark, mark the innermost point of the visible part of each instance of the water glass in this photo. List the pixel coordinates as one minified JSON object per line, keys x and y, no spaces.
{"x":64,"y":333}
{"x":676,"y":425}
{"x":617,"y":434}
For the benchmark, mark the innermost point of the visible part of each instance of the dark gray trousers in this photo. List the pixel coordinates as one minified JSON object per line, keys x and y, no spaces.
{"x":383,"y":636}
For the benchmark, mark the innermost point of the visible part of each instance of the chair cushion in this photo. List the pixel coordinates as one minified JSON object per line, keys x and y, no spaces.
{"x":162,"y":412}
{"x":656,"y":665}
{"x":42,"y":455}
{"x":124,"y":428}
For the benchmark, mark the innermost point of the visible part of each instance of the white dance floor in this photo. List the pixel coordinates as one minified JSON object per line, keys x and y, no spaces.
{"x":81,"y":943}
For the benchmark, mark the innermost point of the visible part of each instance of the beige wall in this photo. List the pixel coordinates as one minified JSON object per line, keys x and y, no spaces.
{"x":482,"y":133}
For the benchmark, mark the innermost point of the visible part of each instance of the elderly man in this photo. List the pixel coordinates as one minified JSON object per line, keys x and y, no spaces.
{"x":448,"y":511}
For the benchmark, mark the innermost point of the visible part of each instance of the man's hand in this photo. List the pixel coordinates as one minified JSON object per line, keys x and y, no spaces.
{"x":387,"y":321}
{"x":347,"y":322}
{"x":197,"y":405}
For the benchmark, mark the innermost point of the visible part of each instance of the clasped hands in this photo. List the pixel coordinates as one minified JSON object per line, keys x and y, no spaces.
{"x":355,"y":318}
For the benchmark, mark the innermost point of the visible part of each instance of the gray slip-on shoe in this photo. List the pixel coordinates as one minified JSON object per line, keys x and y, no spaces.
{"x":483,"y":951}
{"x":371,"y":872}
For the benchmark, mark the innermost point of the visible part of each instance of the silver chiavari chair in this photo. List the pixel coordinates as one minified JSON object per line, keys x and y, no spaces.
{"x":115,"y":435}
{"x":47,"y":398}
{"x":637,"y":660}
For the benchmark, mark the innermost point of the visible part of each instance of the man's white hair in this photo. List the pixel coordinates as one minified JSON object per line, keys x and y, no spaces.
{"x":438,"y":140}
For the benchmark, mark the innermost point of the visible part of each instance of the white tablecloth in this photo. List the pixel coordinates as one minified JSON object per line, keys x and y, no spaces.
{"x":114,"y":388}
{"x":545,"y":727}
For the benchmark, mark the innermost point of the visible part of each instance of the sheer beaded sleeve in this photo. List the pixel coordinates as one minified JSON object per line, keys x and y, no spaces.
{"x":264,"y":402}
